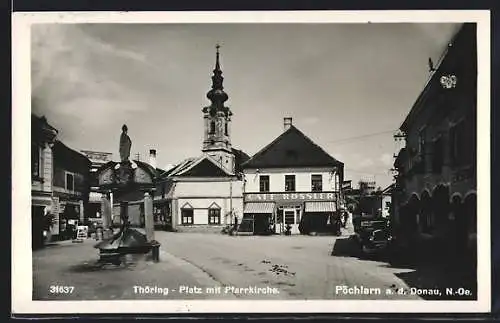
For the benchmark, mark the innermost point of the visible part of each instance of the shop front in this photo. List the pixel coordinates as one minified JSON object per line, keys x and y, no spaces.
{"x":69,"y":215}
{"x":289,"y":213}
{"x":162,"y":214}
{"x":258,"y":217}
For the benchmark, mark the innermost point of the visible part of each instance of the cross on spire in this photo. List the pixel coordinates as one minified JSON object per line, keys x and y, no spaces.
{"x":217,"y":64}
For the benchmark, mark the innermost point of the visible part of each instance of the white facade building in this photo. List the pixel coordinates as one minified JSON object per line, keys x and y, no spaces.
{"x":291,"y":185}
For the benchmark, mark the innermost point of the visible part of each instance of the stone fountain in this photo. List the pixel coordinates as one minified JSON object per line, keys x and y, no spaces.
{"x":119,"y":179}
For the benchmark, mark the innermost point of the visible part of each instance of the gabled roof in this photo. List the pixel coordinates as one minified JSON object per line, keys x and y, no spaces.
{"x":240,"y":157}
{"x":291,"y":149}
{"x":179,"y":167}
{"x":69,"y":159}
{"x":464,"y":41}
{"x":203,"y":167}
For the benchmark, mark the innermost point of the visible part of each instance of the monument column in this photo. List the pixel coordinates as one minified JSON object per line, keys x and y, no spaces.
{"x":106,"y":214}
{"x":148,"y":216}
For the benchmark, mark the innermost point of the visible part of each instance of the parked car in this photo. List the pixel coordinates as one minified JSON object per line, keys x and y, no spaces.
{"x":378,"y":242}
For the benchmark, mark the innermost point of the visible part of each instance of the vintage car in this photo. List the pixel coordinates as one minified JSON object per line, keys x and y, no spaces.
{"x":378,"y":242}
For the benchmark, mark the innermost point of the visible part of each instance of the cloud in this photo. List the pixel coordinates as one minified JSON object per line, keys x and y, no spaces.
{"x":365,"y":162}
{"x":386,"y":159}
{"x":311,"y":120}
{"x":75,"y":80}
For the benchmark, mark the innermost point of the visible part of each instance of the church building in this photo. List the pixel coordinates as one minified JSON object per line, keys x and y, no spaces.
{"x":205,"y":192}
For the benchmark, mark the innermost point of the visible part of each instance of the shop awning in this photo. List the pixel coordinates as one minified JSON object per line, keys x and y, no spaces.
{"x":259,"y":208}
{"x":320,"y":207}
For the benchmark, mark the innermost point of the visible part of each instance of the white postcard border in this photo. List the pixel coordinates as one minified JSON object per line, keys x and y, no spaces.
{"x":22,"y":302}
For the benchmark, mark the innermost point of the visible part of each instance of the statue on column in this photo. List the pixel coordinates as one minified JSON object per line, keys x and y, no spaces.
{"x":125,"y":144}
{"x":125,"y":172}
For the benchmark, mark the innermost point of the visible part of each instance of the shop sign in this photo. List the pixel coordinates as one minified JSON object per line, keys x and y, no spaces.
{"x":291,"y":197}
{"x":347,"y":185}
{"x":55,"y":205}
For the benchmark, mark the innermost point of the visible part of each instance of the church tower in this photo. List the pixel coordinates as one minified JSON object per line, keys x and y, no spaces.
{"x":217,"y":122}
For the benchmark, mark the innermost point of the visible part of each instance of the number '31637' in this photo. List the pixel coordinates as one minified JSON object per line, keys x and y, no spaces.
{"x":59,"y":289}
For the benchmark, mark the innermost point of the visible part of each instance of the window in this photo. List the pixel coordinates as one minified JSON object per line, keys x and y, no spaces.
{"x":214,"y":216}
{"x":459,"y":149}
{"x":316,"y":183}
{"x":437,"y":155}
{"x":421,"y":143}
{"x":226,"y":132}
{"x":289,"y":183}
{"x":212,"y":127}
{"x":70,"y":182}
{"x":264,"y":183}
{"x":35,"y":160}
{"x":187,"y":216}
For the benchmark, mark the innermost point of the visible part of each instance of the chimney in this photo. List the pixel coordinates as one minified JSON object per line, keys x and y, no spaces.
{"x":152,"y":157}
{"x":287,"y":122}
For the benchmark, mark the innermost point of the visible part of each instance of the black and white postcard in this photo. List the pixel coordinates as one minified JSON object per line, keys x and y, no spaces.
{"x":236,"y":162}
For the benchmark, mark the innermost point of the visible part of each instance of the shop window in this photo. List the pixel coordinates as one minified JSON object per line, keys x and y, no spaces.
{"x":316,"y":183}
{"x":214,"y":216}
{"x":437,"y":155}
{"x":289,"y":183}
{"x":264,"y":183}
{"x":70,"y":182}
{"x":35,"y":160}
{"x":212,"y":127}
{"x":187,"y":216}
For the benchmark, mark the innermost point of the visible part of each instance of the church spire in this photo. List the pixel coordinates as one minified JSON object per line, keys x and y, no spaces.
{"x":217,"y":94}
{"x":217,"y":64}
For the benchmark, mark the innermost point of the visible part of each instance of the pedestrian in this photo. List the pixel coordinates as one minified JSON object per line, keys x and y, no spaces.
{"x":48,"y":224}
{"x":345,"y":218}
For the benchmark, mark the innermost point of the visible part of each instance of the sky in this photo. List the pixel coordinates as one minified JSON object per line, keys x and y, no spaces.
{"x":348,"y":87}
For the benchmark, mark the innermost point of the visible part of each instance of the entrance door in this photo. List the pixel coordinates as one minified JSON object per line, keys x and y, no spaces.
{"x":37,"y":226}
{"x":291,"y":216}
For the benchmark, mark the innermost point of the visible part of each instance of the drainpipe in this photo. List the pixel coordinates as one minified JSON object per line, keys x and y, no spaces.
{"x":231,"y":199}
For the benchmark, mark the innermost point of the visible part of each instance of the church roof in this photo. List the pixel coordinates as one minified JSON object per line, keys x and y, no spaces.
{"x":202,"y":166}
{"x":291,"y":149}
{"x":205,"y":166}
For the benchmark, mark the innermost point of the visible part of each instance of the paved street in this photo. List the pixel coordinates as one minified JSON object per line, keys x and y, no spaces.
{"x":301,"y":267}
{"x":74,"y":265}
{"x":296,"y":267}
